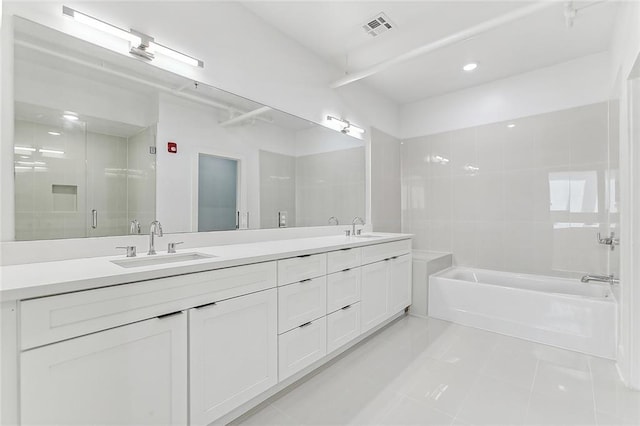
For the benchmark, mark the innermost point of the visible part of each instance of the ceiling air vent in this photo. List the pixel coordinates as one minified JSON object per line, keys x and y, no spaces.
{"x":377,"y":25}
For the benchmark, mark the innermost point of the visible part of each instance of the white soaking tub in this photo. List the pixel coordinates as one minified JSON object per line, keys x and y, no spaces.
{"x":555,"y":311}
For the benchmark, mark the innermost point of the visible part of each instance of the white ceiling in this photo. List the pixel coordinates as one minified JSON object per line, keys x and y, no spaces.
{"x":333,"y":31}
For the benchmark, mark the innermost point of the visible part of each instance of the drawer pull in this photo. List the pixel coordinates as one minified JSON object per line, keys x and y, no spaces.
{"x":169,"y":315}
{"x":305,"y":280}
{"x":346,"y":270}
{"x":346,"y":307}
{"x":205,"y":305}
{"x":304,"y":255}
{"x":345,"y":249}
{"x":305,"y":324}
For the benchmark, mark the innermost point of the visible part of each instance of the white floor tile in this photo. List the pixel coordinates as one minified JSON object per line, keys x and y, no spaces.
{"x":495,"y":402}
{"x":554,"y":409}
{"x":563,"y":382}
{"x":431,"y":372}
{"x":268,"y":416}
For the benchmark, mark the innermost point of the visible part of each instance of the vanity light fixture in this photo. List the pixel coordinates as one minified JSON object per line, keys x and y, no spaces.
{"x":347,"y":127}
{"x":101,"y":25}
{"x":470,"y":67}
{"x":70,"y":117}
{"x":52,"y":133}
{"x":511,"y":125}
{"x":141,"y":45}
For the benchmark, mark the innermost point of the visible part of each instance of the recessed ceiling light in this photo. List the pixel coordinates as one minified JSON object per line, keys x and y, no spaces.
{"x":70,"y":117}
{"x":54,"y":133}
{"x":511,"y":125}
{"x":470,"y":67}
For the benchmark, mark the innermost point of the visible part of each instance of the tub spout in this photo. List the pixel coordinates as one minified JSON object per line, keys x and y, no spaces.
{"x":600,"y":278}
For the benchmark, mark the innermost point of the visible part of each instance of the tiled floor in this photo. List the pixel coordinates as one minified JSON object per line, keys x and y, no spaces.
{"x":430,"y":372}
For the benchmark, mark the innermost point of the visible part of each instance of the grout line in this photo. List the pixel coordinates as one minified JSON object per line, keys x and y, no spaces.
{"x":593,"y":393}
{"x":533,"y":383}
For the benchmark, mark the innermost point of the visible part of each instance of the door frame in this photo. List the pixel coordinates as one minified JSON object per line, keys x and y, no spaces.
{"x":241,"y":195}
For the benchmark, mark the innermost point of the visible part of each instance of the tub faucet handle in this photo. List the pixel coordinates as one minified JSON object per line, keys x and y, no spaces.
{"x":610,"y":241}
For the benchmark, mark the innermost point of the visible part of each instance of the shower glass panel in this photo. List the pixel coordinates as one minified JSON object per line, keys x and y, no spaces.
{"x":217,"y":193}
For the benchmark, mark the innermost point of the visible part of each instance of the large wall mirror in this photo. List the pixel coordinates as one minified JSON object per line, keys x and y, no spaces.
{"x":104,"y":144}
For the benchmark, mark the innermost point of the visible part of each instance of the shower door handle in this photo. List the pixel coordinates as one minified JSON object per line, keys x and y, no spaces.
{"x":94,"y":218}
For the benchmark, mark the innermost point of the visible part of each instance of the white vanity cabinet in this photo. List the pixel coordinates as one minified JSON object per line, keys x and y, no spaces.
{"x":201,"y":347}
{"x":399,"y":283}
{"x":233,"y":353}
{"x":386,"y":282}
{"x":374,"y":305}
{"x":133,"y":374}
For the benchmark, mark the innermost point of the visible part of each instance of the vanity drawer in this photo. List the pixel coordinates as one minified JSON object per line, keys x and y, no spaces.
{"x":340,"y":260}
{"x":51,"y":319}
{"x":378,"y":252}
{"x":301,"y":268}
{"x":301,"y":302}
{"x":343,"y":288}
{"x":301,"y":347}
{"x":343,"y":326}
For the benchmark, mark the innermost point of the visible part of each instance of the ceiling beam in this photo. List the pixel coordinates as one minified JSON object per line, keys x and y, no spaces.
{"x":445,"y":41}
{"x":245,"y":116}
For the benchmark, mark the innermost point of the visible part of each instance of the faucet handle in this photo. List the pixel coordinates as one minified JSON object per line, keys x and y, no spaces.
{"x":131,"y":250}
{"x":171,"y":248}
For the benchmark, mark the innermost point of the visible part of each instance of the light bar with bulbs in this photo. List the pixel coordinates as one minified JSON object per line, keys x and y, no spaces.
{"x":347,"y":127}
{"x":142,"y":45}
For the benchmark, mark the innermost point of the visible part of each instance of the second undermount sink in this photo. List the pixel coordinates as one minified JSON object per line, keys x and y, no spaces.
{"x":160,"y":260}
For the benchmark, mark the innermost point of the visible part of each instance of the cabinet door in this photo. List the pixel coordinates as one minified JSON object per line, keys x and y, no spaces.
{"x":374,"y":295}
{"x":134,"y":374}
{"x":233,"y":353}
{"x":399,"y":283}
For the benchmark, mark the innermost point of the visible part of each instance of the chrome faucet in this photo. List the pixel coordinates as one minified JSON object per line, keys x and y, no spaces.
{"x":353,"y":224}
{"x":154,"y":229}
{"x":600,"y":278}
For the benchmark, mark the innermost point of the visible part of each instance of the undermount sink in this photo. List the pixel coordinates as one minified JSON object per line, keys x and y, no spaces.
{"x":368,"y":236}
{"x":161,"y":260}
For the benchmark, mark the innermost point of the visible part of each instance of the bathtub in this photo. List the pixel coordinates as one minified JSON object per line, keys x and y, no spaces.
{"x":555,"y":311}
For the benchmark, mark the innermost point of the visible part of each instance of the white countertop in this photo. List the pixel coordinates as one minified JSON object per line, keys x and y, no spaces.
{"x":48,"y":278}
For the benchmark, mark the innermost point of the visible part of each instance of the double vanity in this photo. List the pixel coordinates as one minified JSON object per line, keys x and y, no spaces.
{"x":195,"y":337}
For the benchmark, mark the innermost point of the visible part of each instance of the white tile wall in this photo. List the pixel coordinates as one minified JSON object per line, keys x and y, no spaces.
{"x":330,"y":184}
{"x":277,"y":188}
{"x":485,"y":193}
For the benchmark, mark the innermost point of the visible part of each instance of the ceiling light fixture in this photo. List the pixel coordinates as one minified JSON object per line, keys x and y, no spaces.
{"x":70,"y":117}
{"x":52,"y":133}
{"x":470,"y":67}
{"x":50,"y":151}
{"x":346,"y":126}
{"x":511,"y":125}
{"x":141,"y":45}
{"x":24,"y":148}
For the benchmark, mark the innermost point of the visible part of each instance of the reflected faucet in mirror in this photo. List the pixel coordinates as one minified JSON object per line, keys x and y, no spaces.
{"x":154,"y":229}
{"x":134,"y":227}
{"x":334,"y":221}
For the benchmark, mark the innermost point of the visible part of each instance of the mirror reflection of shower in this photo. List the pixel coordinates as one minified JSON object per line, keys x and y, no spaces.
{"x":78,"y":176}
